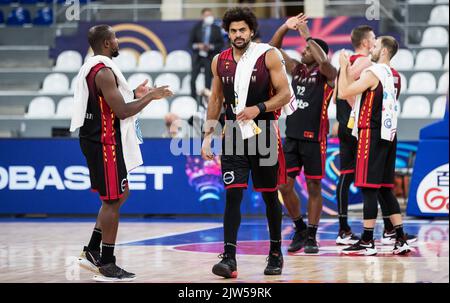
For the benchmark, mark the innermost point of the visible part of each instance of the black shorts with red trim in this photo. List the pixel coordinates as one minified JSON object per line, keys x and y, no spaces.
{"x":348,"y":145}
{"x":236,"y":171}
{"x":375,"y":160}
{"x":107,"y":169}
{"x":309,"y":155}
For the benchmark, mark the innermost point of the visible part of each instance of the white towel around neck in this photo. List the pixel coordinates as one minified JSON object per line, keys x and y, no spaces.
{"x":129,"y":128}
{"x":242,"y":80}
{"x":390,"y":107}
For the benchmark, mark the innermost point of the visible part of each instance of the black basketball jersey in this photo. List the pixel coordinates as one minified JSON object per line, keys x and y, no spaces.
{"x":260,"y":88}
{"x":100,"y":123}
{"x":310,"y":121}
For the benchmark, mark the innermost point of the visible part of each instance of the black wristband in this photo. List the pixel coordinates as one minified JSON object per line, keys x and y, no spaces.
{"x":309,"y":38}
{"x":262,"y":107}
{"x":134,"y":94}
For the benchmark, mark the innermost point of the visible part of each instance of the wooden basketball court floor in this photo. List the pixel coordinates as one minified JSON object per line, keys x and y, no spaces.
{"x":184,"y":250}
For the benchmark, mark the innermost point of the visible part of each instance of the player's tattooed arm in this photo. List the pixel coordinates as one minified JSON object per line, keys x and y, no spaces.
{"x":106,"y":84}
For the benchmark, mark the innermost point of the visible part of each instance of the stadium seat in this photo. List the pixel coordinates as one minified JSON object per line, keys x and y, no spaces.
{"x":184,"y":107}
{"x":55,"y":83}
{"x":157,"y":109}
{"x":68,"y":61}
{"x":179,"y":61}
{"x":136,"y":79}
{"x":403,"y":60}
{"x":5,"y":1}
{"x":19,"y":16}
{"x":439,"y":15}
{"x":72,"y":84}
{"x":428,"y":59}
{"x":126,"y":61}
{"x":185,"y":86}
{"x":439,"y":107}
{"x":446,"y":62}
{"x":2,"y":18}
{"x":435,"y":37}
{"x":404,"y":82}
{"x":420,"y":1}
{"x":64,"y":108}
{"x":29,"y":1}
{"x":294,"y":54}
{"x":151,"y":61}
{"x":422,"y":83}
{"x":44,"y":16}
{"x":443,"y":84}
{"x":41,"y":108}
{"x":416,"y":107}
{"x":168,"y":79}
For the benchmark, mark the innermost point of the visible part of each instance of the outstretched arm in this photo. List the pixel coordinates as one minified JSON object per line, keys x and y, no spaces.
{"x":106,"y":83}
{"x":277,"y":40}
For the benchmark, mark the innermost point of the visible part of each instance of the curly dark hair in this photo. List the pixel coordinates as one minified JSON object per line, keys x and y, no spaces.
{"x":240,"y":14}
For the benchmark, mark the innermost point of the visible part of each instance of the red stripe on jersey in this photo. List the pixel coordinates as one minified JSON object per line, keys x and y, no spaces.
{"x":366,"y":110}
{"x":111,"y":175}
{"x":107,"y":116}
{"x":324,"y":123}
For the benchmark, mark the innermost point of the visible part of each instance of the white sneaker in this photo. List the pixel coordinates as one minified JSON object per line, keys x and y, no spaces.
{"x":390,"y":238}
{"x":401,"y":247}
{"x":361,"y":249}
{"x":348,"y":238}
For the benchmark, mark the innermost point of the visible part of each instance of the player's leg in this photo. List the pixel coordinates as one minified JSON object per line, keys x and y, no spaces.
{"x":265,"y":175}
{"x":314,"y":212}
{"x":347,"y":154}
{"x":366,"y":246}
{"x":292,"y":204}
{"x":274,"y":219}
{"x":370,"y":163}
{"x":290,"y":196}
{"x":388,"y":202}
{"x":313,"y":155}
{"x":235,"y":173}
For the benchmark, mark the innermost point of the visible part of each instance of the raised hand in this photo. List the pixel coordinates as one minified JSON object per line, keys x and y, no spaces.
{"x":343,"y":59}
{"x":159,"y":93}
{"x":302,"y":27}
{"x":142,"y":89}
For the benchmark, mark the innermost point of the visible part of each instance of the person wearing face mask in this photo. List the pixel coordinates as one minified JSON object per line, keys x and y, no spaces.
{"x":206,"y":41}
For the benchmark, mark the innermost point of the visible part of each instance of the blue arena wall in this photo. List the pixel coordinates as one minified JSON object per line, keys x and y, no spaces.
{"x":49,"y":176}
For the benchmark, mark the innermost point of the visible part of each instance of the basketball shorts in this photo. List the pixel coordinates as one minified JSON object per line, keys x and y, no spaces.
{"x":107,"y":170}
{"x":375,"y":160}
{"x":308,"y":155}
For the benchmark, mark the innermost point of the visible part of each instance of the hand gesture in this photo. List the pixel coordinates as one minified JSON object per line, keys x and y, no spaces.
{"x":207,"y":153}
{"x":159,"y":93}
{"x":343,"y":59}
{"x":142,"y":89}
{"x":302,"y":27}
{"x":249,"y":113}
